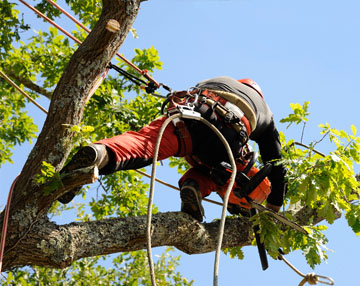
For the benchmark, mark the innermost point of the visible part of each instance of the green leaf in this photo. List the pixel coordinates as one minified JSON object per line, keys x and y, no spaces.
{"x":234,"y":252}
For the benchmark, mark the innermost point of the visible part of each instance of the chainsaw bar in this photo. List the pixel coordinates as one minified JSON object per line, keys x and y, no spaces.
{"x":278,"y":216}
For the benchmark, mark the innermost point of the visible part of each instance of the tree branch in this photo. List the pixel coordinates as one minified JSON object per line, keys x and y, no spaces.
{"x":51,"y":245}
{"x":58,"y":246}
{"x":29,"y":84}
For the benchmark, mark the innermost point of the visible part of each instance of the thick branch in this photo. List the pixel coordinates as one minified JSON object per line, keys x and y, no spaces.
{"x":305,"y":215}
{"x":29,"y":84}
{"x":58,"y":246}
{"x":47,"y":244}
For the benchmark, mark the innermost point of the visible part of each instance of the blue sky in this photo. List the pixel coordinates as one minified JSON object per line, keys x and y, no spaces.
{"x":297,"y":51}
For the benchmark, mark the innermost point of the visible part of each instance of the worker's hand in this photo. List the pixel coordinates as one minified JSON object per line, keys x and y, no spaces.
{"x":273,"y":207}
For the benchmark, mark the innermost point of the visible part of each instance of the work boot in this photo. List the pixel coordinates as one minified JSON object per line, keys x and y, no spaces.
{"x":94,"y":154}
{"x":191,"y":200}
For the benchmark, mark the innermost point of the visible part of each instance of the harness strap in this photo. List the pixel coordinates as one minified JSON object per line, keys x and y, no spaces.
{"x":181,"y":131}
{"x":224,"y":113}
{"x":228,"y":106}
{"x":249,"y":113}
{"x":184,"y":138}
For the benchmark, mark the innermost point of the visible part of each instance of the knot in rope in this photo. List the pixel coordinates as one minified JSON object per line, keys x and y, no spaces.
{"x":310,"y":278}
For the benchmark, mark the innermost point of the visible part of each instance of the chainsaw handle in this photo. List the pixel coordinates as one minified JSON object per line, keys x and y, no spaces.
{"x":254,"y":181}
{"x":253,"y":157}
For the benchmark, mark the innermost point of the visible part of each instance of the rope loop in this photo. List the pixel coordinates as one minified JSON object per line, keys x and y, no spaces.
{"x":314,"y":279}
{"x":310,"y":278}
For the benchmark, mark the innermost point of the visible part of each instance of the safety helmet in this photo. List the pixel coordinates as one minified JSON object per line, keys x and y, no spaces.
{"x":252,"y":84}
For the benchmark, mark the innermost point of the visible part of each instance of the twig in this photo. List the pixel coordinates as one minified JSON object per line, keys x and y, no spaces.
{"x":308,"y":147}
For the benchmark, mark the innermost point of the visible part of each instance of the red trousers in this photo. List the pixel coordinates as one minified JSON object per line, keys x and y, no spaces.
{"x":133,"y":150}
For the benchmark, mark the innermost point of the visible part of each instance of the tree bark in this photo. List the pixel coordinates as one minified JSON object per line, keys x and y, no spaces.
{"x":56,"y":246}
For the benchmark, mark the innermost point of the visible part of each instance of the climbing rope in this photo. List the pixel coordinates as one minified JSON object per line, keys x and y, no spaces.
{"x":5,"y":222}
{"x":310,"y":278}
{"x":97,"y":84}
{"x":225,"y":200}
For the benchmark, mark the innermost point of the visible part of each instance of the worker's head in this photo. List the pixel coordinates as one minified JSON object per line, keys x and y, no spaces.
{"x":252,"y":84}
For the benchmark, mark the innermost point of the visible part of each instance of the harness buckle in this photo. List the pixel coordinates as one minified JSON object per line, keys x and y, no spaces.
{"x":187,"y":111}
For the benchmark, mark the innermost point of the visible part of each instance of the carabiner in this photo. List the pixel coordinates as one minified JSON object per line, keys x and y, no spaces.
{"x":192,"y":93}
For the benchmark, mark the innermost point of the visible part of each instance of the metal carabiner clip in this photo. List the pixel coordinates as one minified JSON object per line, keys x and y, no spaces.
{"x":192,"y":93}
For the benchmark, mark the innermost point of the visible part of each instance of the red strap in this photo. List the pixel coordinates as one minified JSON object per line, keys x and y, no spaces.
{"x":247,"y":124}
{"x":185,"y":141}
{"x":5,"y":222}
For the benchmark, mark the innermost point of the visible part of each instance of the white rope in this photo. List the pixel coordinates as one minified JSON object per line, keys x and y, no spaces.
{"x":151,"y":195}
{"x":310,"y":278}
{"x":225,"y":203}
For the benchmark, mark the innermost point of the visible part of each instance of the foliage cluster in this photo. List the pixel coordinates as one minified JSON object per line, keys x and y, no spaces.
{"x":316,"y":181}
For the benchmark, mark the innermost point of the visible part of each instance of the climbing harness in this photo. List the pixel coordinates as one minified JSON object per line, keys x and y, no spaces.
{"x":224,"y":104}
{"x":310,"y":278}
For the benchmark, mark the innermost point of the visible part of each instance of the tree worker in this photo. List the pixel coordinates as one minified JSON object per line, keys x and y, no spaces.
{"x":238,"y":110}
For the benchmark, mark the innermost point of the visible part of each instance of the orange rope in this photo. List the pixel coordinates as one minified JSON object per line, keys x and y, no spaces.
{"x":88,"y":30}
{"x":5,"y":223}
{"x":22,"y":92}
{"x":51,"y":22}
{"x":142,"y":72}
{"x":175,"y":188}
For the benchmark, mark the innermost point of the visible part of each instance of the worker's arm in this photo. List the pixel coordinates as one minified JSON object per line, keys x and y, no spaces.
{"x":270,"y":150}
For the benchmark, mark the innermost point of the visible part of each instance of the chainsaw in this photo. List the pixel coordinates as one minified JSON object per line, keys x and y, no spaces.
{"x":248,"y":185}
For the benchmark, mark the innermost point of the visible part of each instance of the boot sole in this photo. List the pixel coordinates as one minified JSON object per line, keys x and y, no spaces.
{"x":85,"y":157}
{"x":190,"y":203}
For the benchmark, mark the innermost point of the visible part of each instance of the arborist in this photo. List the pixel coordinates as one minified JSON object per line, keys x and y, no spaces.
{"x":238,"y":110}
